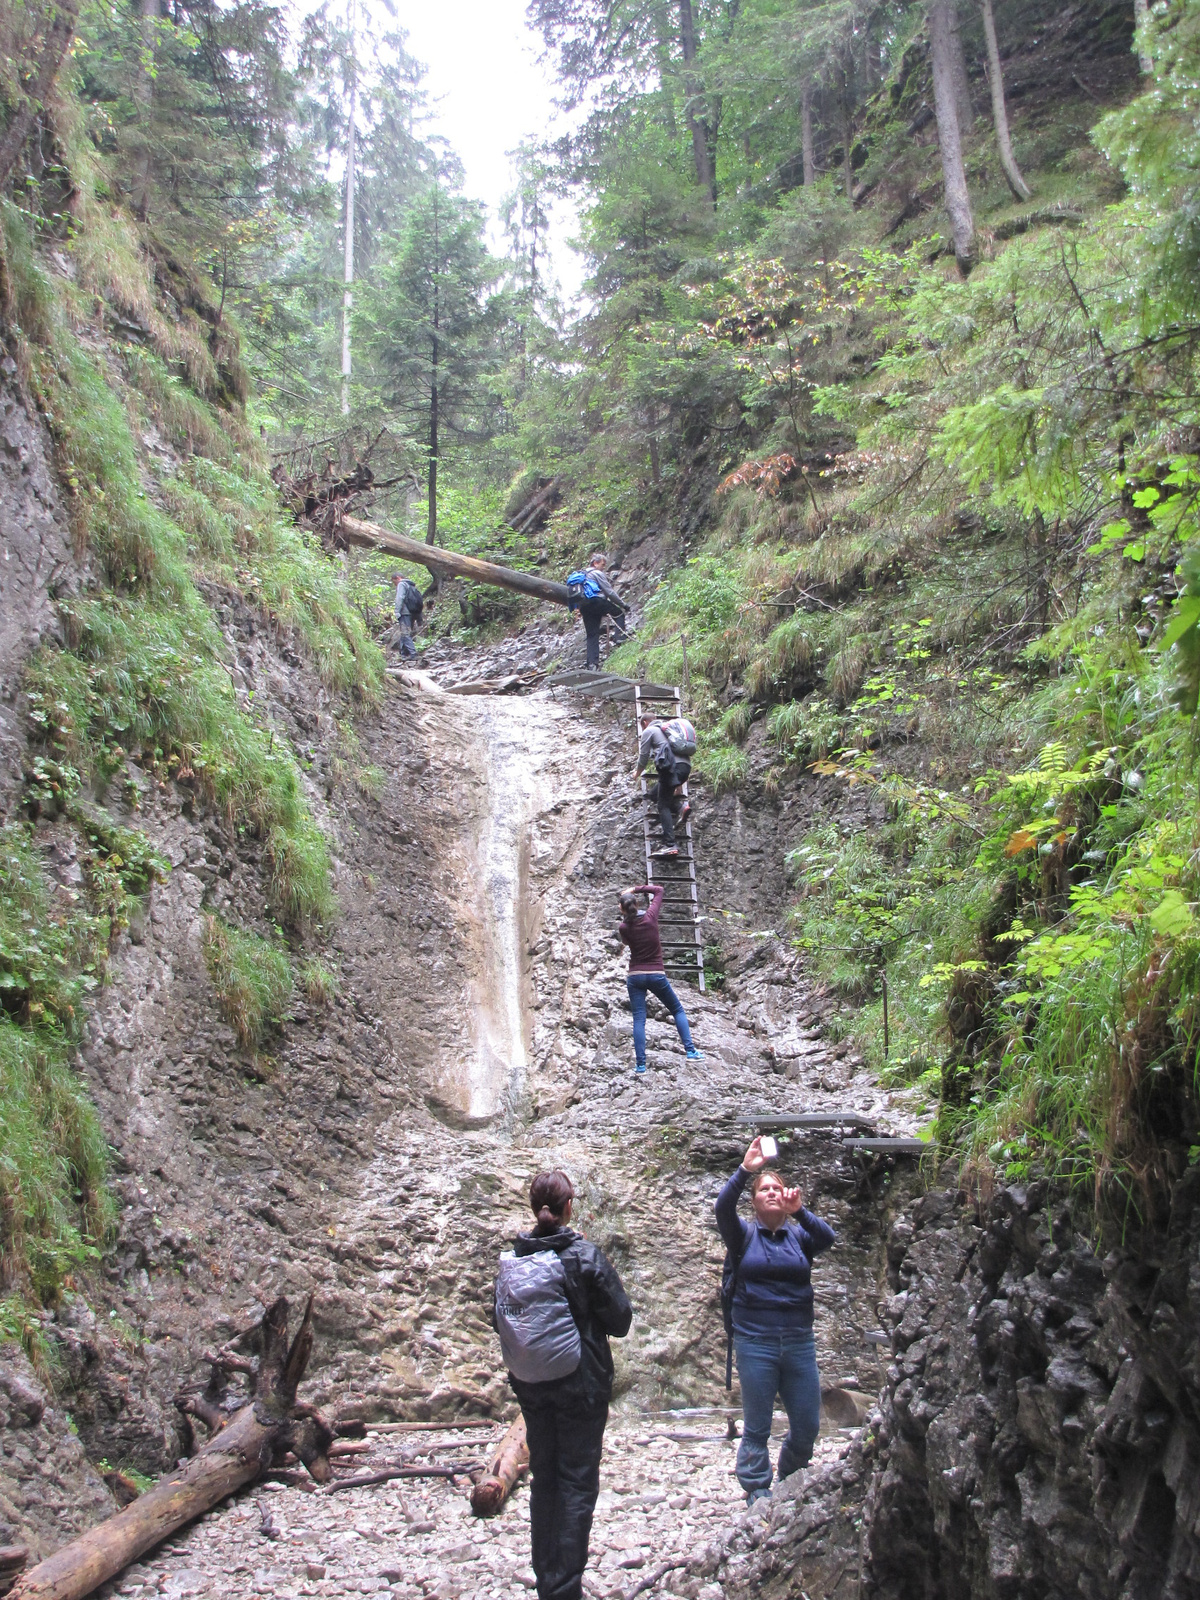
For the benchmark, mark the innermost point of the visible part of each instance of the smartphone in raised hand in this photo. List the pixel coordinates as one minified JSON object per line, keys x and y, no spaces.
{"x":768,"y":1148}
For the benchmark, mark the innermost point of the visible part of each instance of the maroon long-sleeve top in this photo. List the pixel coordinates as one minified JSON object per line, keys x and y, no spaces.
{"x":642,"y":937}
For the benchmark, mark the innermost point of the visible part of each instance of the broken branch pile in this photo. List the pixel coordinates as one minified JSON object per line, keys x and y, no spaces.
{"x":249,"y":1433}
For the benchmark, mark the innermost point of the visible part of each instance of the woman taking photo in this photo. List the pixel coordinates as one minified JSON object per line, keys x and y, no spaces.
{"x":558,"y":1300}
{"x":772,"y":1317}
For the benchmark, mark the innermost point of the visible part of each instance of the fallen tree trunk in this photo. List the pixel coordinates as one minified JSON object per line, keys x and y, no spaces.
{"x":256,"y":1435}
{"x":509,"y":1464}
{"x":442,"y":562}
{"x":462,"y":1469}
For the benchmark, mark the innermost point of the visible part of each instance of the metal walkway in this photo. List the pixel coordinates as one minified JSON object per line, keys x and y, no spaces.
{"x":679,"y":919}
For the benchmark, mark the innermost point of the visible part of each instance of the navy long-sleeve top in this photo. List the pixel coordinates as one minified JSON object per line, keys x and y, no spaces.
{"x":774,"y":1291}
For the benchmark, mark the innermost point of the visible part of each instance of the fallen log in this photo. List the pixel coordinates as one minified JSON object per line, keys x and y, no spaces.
{"x":654,"y":1577}
{"x":509,"y":1464}
{"x":430,"y":1427}
{"x":449,"y":562}
{"x":257,"y":1435}
{"x":462,"y":1469}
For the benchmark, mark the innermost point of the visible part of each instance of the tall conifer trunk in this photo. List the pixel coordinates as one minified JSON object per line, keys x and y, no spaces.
{"x":1008,"y":161}
{"x":701,"y":154}
{"x":943,"y":40}
{"x":143,"y":94}
{"x":434,"y":376}
{"x":806,"y":134}
{"x":1141,"y":19}
{"x":57,"y":42}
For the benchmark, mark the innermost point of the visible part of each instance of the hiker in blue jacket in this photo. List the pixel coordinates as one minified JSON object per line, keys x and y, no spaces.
{"x":594,"y":597}
{"x":772,"y":1317}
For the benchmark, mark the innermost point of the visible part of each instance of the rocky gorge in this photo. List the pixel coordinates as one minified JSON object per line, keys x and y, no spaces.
{"x":1033,"y":1434}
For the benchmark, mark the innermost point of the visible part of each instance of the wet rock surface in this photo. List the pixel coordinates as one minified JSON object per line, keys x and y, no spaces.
{"x":1039,"y":1431}
{"x":48,"y":1488}
{"x":35,"y":560}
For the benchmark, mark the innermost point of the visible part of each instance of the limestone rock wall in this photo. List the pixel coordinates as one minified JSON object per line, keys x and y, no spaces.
{"x":35,"y":560}
{"x":1040,"y":1432}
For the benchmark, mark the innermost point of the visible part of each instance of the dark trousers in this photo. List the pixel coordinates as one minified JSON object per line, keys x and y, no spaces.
{"x":404,"y":637}
{"x":670,"y":775}
{"x":593,"y":613}
{"x":565,"y":1443}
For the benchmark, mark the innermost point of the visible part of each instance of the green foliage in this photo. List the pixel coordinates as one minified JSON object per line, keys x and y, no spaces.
{"x":54,"y":1209}
{"x":720,"y":767}
{"x":252,"y":978}
{"x":321,"y":985}
{"x":49,"y":957}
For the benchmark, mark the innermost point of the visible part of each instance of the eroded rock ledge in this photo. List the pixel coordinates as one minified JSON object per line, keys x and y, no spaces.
{"x":1040,"y":1429}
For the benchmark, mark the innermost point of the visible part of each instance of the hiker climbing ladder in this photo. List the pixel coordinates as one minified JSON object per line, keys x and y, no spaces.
{"x":679,"y":919}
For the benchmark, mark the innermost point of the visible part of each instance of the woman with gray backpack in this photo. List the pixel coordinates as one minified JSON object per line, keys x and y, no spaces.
{"x":558,"y":1301}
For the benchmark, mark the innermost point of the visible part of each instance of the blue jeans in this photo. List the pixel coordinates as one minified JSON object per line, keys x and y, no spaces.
{"x":637,"y":983}
{"x":771,"y":1364}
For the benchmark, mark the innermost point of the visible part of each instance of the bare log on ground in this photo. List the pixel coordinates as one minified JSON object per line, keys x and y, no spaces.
{"x":461,"y":1469}
{"x":258,"y":1434}
{"x":449,"y":563}
{"x":509,"y":1464}
{"x":429,"y":1427}
{"x":655,"y":1577}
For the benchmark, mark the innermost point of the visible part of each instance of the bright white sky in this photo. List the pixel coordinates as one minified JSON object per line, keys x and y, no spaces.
{"x":487,"y":93}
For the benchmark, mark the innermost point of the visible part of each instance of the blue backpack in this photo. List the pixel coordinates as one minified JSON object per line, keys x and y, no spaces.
{"x":583,"y":586}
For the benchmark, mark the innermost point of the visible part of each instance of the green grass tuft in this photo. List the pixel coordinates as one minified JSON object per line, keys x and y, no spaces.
{"x":252,"y":979}
{"x":54,"y":1207}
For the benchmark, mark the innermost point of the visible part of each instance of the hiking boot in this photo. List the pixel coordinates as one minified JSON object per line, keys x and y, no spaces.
{"x":668,"y":850}
{"x":685,"y":811}
{"x":757,"y":1494}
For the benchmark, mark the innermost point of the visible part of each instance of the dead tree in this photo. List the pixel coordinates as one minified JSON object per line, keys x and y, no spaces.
{"x":509,"y":1464}
{"x":245,"y":1442}
{"x":1012,"y":173}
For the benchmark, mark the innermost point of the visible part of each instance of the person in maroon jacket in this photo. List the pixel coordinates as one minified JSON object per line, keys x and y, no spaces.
{"x":639,"y":930}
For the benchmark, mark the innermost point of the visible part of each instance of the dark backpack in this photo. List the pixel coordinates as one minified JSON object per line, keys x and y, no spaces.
{"x":583,"y":585}
{"x":730,"y":1268}
{"x":411,"y":598}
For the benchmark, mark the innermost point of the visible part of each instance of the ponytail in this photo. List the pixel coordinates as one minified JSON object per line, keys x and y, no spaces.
{"x":550,"y":1194}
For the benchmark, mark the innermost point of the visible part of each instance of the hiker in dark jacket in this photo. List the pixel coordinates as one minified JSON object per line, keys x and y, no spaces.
{"x":409,"y":608}
{"x":565,"y":1417}
{"x":671,"y":772}
{"x":594,"y":612}
{"x":773,"y":1317}
{"x":647,"y":973}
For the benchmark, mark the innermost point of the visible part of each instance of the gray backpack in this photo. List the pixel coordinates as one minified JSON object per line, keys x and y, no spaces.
{"x":538,"y":1335}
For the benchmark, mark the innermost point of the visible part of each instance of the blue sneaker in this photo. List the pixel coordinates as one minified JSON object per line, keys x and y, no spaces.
{"x":640,"y":1069}
{"x":694,"y":1055}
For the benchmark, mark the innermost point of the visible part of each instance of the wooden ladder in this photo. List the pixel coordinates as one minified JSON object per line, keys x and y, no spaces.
{"x":679,"y":919}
